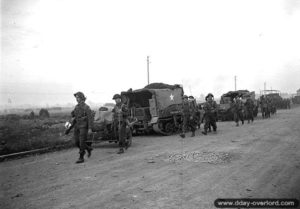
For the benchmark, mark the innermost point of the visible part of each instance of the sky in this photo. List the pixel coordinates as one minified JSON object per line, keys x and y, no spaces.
{"x":52,"y":49}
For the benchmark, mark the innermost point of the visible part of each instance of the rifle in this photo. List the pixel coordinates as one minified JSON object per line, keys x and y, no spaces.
{"x":73,"y":122}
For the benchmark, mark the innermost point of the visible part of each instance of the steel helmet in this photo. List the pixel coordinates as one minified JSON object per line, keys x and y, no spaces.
{"x":80,"y":95}
{"x":116,"y":96}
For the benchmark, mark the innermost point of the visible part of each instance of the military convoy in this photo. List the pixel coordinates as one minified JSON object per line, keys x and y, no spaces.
{"x":276,"y":99}
{"x":157,"y":107}
{"x":225,"y":112}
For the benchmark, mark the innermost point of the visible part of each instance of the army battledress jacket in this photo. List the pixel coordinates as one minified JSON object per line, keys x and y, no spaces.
{"x":83,"y":116}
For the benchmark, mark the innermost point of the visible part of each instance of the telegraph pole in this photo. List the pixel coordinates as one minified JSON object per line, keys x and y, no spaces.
{"x":265,"y":84}
{"x":235,"y":82}
{"x":148,"y":69}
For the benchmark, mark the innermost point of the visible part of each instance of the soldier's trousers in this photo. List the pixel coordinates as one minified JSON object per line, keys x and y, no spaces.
{"x":198,"y":119}
{"x":120,"y":132}
{"x":265,"y":112}
{"x":80,"y":136}
{"x":188,"y":124}
{"x":249,"y":114}
{"x":238,"y":116}
{"x":210,"y":120}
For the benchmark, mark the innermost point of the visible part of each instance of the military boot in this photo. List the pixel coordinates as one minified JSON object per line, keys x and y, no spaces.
{"x":89,"y":151}
{"x":237,"y":124}
{"x":204,"y":132}
{"x":121,"y":150}
{"x":81,"y":159}
{"x":193,"y":134}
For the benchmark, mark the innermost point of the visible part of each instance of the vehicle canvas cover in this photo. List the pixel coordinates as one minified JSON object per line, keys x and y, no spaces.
{"x":233,"y":94}
{"x":167,"y":97}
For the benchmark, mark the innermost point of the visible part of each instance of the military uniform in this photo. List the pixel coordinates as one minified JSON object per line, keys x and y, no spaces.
{"x":210,"y":108}
{"x":84,"y":121}
{"x":264,"y":107}
{"x":288,"y":104}
{"x":238,"y":111}
{"x":188,"y":113}
{"x":196,"y":112}
{"x":249,"y":109}
{"x":120,"y":111}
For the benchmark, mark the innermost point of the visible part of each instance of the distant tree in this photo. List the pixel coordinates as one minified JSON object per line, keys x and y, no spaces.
{"x":44,"y":113}
{"x":31,"y":115}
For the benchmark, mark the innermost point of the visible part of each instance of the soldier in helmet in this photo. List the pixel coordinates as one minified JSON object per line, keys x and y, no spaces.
{"x":210,"y":108}
{"x":188,"y":113}
{"x":249,"y":104}
{"x":196,"y":117}
{"x":83,"y":125}
{"x":120,"y":121}
{"x":238,"y":110}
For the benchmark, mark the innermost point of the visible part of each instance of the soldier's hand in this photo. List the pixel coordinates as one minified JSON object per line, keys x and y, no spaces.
{"x":191,"y":118}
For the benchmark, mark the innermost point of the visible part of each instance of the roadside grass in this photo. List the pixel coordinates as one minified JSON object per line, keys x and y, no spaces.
{"x":17,"y":135}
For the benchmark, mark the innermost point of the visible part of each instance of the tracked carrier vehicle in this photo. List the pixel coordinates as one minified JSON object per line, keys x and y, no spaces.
{"x":157,"y":107}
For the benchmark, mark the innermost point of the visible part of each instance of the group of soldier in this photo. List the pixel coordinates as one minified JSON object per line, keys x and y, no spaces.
{"x":268,"y":107}
{"x":83,"y":122}
{"x":191,"y":113}
{"x":191,"y":118}
{"x":243,"y":110}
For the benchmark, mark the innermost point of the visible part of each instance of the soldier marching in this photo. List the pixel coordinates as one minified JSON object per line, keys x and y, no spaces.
{"x":188,"y":117}
{"x":249,"y":107}
{"x":238,"y":110}
{"x":210,"y":108}
{"x":83,"y":123}
{"x":190,"y":114}
{"x":120,"y":121}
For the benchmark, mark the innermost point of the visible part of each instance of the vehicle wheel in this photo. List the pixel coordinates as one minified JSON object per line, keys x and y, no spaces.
{"x":169,"y":128}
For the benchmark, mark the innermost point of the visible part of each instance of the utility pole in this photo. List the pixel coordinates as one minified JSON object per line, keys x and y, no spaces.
{"x":235,"y":82}
{"x":148,"y":69}
{"x":190,"y":90}
{"x":265,"y":86}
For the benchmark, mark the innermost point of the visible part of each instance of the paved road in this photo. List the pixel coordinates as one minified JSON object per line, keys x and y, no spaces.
{"x":259,"y":160}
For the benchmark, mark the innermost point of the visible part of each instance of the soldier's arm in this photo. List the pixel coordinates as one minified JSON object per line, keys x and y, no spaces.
{"x":205,"y":107}
{"x":89,"y":117}
{"x":124,"y":108}
{"x":182,"y":112}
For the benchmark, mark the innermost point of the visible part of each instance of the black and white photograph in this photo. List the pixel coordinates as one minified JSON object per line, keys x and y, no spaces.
{"x":139,"y":104}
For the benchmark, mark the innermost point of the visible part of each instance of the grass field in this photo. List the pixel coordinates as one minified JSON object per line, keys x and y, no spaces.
{"x":20,"y":134}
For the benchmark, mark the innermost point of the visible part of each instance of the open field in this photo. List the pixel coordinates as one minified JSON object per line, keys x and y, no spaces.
{"x":259,"y":160}
{"x":22,"y":134}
